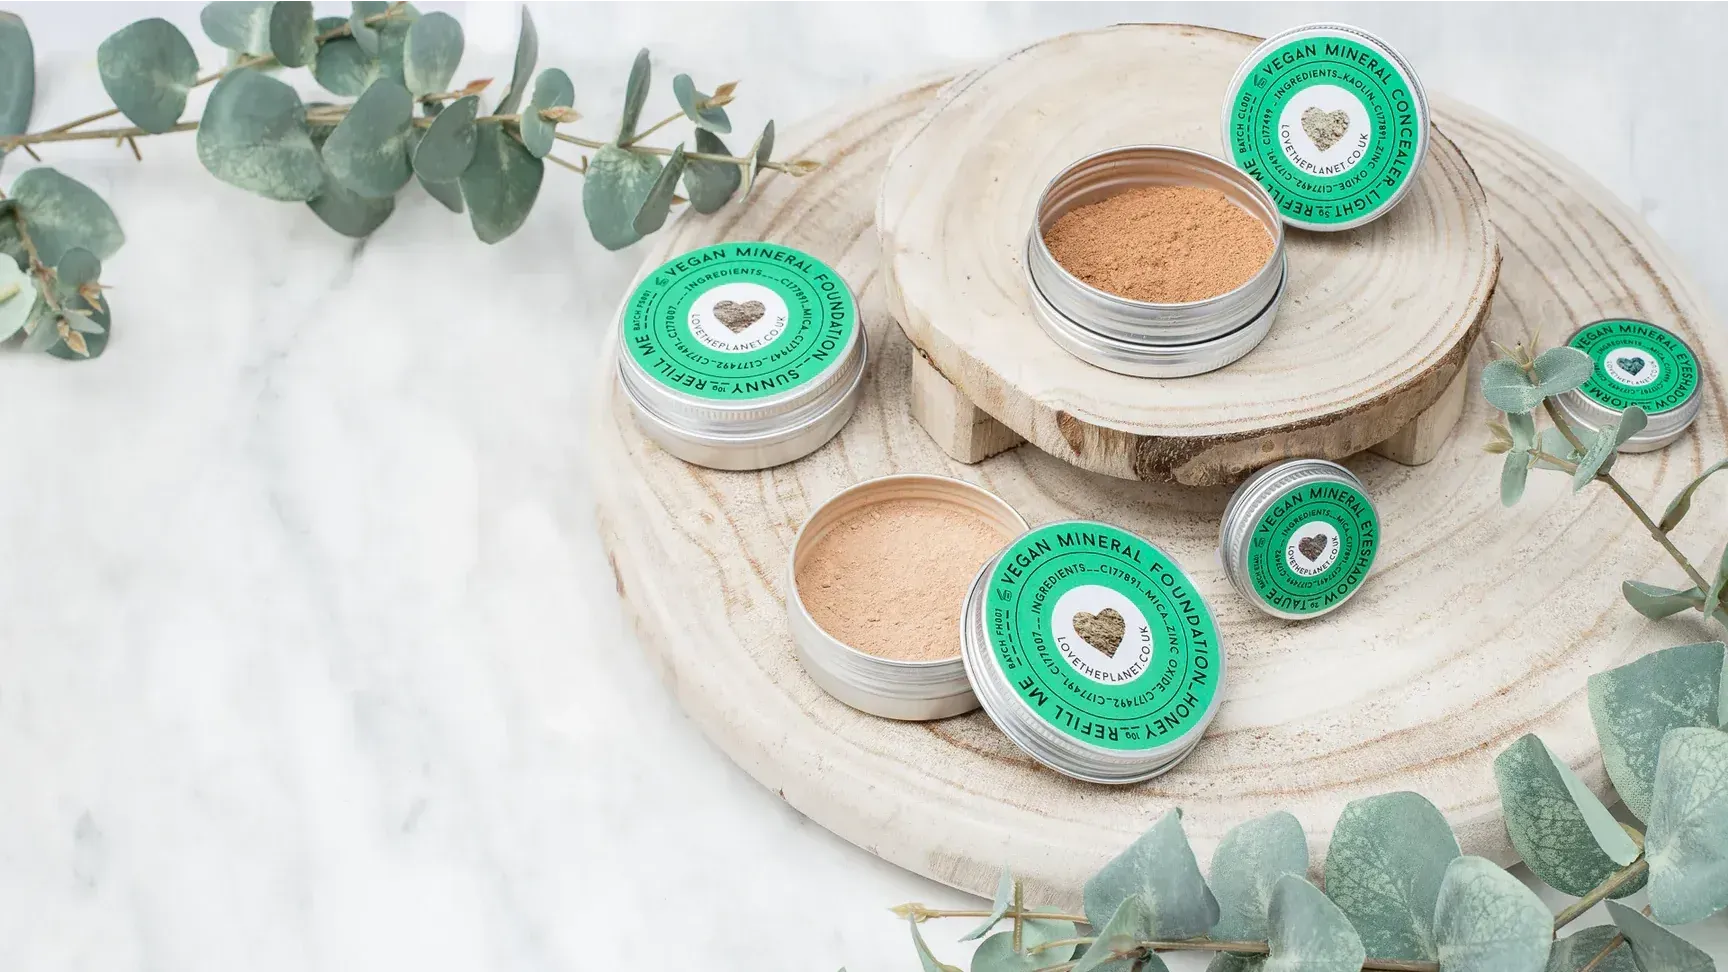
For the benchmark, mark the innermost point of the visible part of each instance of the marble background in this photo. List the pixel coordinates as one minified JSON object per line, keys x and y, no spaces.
{"x":309,"y":657}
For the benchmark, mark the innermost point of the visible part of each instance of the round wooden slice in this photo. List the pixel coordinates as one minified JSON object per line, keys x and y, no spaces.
{"x":1375,"y":325}
{"x":1479,"y":624}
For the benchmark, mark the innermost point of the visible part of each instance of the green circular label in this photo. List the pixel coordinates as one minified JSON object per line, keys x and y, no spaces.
{"x":1329,"y":126}
{"x":1312,"y":548}
{"x":739,"y":321}
{"x":1637,"y":363}
{"x":1103,"y":636}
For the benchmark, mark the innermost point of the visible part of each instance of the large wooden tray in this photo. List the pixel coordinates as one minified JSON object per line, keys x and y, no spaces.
{"x":1478,"y":625}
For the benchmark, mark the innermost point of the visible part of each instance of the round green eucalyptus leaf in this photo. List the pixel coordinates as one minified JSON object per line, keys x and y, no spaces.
{"x":63,"y":213}
{"x":1486,"y":920}
{"x":253,"y":135}
{"x":658,"y":202}
{"x":527,"y":53}
{"x":17,"y":297}
{"x":344,"y":68}
{"x":1654,"y":948}
{"x":759,"y":155}
{"x":617,"y":184}
{"x":364,"y":34}
{"x":1688,"y":838}
{"x":447,"y":147}
{"x":1561,"y":369}
{"x":1635,"y":705}
{"x":1130,"y":924}
{"x":709,"y":184}
{"x":431,"y":53}
{"x":238,"y":26}
{"x":551,"y":90}
{"x":368,"y":151}
{"x":1246,"y":867}
{"x":448,"y":194}
{"x":1575,"y":951}
{"x":17,"y":74}
{"x":635,"y":94}
{"x":1307,"y":933}
{"x":147,"y":69}
{"x":1563,"y":832}
{"x":346,"y":211}
{"x":1159,"y":869}
{"x":501,"y":184}
{"x":996,"y":953}
{"x":293,"y":33}
{"x":1508,"y":388}
{"x":393,"y":42}
{"x":690,"y":100}
{"x":1384,"y":869}
{"x":76,"y":268}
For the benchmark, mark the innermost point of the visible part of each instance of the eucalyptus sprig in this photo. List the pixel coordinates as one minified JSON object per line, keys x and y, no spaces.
{"x":1398,"y":895}
{"x":346,"y":161}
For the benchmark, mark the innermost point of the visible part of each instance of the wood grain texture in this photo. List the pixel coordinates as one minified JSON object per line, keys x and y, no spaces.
{"x":1422,"y":439}
{"x":1375,"y":324}
{"x":1478,"y":624}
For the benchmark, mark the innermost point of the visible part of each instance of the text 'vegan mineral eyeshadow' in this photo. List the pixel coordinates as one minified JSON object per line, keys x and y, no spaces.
{"x":1635,"y":363}
{"x":1299,"y":538}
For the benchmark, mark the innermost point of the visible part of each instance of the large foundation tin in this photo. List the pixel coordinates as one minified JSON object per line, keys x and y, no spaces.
{"x":1636,"y":363}
{"x":1298,"y":538}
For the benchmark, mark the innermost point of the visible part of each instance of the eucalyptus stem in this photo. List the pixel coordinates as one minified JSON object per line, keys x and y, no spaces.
{"x":1613,"y":883}
{"x":1607,"y":950}
{"x":651,"y":129}
{"x":796,"y":167}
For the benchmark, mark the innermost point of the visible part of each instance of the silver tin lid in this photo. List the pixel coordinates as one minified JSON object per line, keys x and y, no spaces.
{"x":1636,"y":363}
{"x":1093,"y":651}
{"x":1299,"y":538}
{"x":1331,"y":120}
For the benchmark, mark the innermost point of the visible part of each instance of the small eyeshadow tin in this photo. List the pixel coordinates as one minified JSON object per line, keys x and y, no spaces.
{"x":1142,"y":338}
{"x":887,"y":687}
{"x":742,"y":355}
{"x":1636,"y":363}
{"x":1093,"y":651}
{"x":1299,"y":538}
{"x":1331,"y":121}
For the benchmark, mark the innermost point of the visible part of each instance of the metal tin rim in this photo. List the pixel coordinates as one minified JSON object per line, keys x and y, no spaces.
{"x":1251,"y":501}
{"x":1424,"y":117}
{"x":1663,"y":427}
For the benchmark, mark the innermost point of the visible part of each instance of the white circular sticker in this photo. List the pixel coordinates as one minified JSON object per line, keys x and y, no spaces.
{"x":1312,"y":548}
{"x":1102,"y":634}
{"x":1634,"y":367}
{"x":738,"y":317}
{"x":1324,"y":130}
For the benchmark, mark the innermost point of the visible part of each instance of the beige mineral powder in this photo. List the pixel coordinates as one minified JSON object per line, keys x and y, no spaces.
{"x":888,"y":579}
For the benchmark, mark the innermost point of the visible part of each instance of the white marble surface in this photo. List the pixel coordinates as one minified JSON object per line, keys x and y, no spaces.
{"x":309,"y":657}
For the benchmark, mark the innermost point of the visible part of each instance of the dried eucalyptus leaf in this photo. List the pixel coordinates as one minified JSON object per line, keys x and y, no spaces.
{"x":926,"y":958}
{"x":393,"y":43}
{"x":1654,"y":948}
{"x":1637,"y":704}
{"x":346,"y":211}
{"x":1385,"y":867}
{"x":431,"y":53}
{"x":618,"y":182}
{"x":1246,"y":867}
{"x":996,"y":953}
{"x":1508,"y":388}
{"x":709,"y":184}
{"x":63,"y":213}
{"x":1513,"y":477}
{"x":293,"y":34}
{"x":1159,"y":869}
{"x":658,"y":203}
{"x":368,"y":151}
{"x":1559,"y":370}
{"x":551,"y":90}
{"x":527,"y":53}
{"x":448,"y":145}
{"x":253,"y":135}
{"x":1486,"y":920}
{"x":1682,"y":503}
{"x":242,"y":27}
{"x":635,"y":94}
{"x":17,"y":75}
{"x":1130,"y":924}
{"x":343,"y":67}
{"x":1688,"y":838}
{"x":759,"y":154}
{"x":147,"y":69}
{"x":998,"y":906}
{"x":1575,"y":951}
{"x":1307,"y":933}
{"x":365,"y":34}
{"x":1563,"y":832}
{"x":1657,"y":603}
{"x":17,"y":297}
{"x":711,"y":118}
{"x":501,"y":184}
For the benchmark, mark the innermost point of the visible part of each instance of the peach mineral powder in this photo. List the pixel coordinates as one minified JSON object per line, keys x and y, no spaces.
{"x":888,"y":579}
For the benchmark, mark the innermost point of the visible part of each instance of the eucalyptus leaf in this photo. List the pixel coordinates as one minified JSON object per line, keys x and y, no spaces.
{"x":147,"y":69}
{"x":393,"y":42}
{"x":1656,"y":602}
{"x":343,"y":67}
{"x":635,"y":94}
{"x":1385,"y":867}
{"x":90,"y":318}
{"x":709,"y":184}
{"x":1247,"y":866}
{"x":1654,"y":948}
{"x":501,"y":184}
{"x":242,"y":27}
{"x":998,"y":906}
{"x":759,"y":155}
{"x":44,"y":331}
{"x":1635,"y":705}
{"x":1522,"y":429}
{"x":1553,"y":442}
{"x":1597,"y":457}
{"x":346,"y":211}
{"x":617,"y":184}
{"x":1129,"y":925}
{"x":1508,"y":388}
{"x":368,"y":151}
{"x":293,"y":34}
{"x":17,"y":297}
{"x":711,"y":118}
{"x":1486,"y":920}
{"x":1681,"y":504}
{"x":1561,"y":369}
{"x":431,"y":53}
{"x":1575,"y":951}
{"x":551,"y":90}
{"x":1563,"y":832}
{"x":652,"y":215}
{"x":448,"y":194}
{"x":1514,"y":475}
{"x":253,"y":135}
{"x":365,"y":34}
{"x":1159,"y":869}
{"x":63,"y":213}
{"x":527,"y":53}
{"x":447,"y":148}
{"x":1687,"y":842}
{"x":996,"y":953}
{"x":926,"y":958}
{"x":1307,"y":932}
{"x":17,"y":75}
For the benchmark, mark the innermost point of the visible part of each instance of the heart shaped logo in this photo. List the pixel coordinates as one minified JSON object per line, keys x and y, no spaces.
{"x":1630,"y":365}
{"x":1312,"y":547}
{"x":1102,"y":631}
{"x":1325,"y":127}
{"x":738,"y":316}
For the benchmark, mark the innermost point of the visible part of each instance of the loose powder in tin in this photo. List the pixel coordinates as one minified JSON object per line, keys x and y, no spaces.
{"x":1161,"y":244}
{"x":889,"y":578}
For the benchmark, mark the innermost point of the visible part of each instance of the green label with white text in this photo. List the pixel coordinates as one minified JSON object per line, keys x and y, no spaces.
{"x":737,"y":321}
{"x":1313,"y":547}
{"x":1329,"y":126}
{"x":1637,"y":363}
{"x":1103,"y":636}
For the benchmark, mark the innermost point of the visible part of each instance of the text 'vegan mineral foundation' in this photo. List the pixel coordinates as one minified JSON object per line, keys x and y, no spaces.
{"x":1299,"y":538}
{"x":877,"y":578}
{"x":1635,"y":363}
